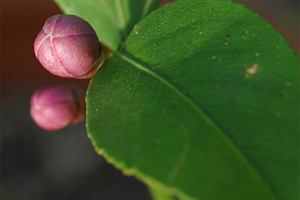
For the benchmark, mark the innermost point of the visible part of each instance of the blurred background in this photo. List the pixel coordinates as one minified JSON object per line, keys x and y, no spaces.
{"x":62,"y":165}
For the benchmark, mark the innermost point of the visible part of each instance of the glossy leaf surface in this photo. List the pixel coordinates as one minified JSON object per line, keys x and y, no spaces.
{"x":201,"y":101}
{"x":111,"y":19}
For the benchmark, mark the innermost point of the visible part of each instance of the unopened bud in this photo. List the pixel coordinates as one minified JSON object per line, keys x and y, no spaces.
{"x":55,"y":106}
{"x":68,"y":46}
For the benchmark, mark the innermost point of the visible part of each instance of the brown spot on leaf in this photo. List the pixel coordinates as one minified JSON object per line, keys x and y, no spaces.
{"x":281,"y":94}
{"x":134,"y":28}
{"x":252,"y":69}
{"x":128,"y":172}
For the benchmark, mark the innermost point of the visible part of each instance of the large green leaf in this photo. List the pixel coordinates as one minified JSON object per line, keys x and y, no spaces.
{"x":202,"y":101}
{"x":112,"y":19}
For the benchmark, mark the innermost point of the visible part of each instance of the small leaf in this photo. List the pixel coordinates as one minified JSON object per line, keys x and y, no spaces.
{"x":202,"y":101}
{"x":112,"y":20}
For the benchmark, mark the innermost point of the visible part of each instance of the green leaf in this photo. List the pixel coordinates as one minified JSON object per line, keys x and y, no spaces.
{"x":202,"y":101}
{"x":111,"y":19}
{"x":160,"y":195}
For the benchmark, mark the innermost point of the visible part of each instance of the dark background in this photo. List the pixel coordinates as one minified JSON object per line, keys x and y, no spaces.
{"x":41,"y":165}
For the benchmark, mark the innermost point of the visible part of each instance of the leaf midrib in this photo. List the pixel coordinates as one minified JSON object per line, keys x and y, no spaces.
{"x":202,"y":114}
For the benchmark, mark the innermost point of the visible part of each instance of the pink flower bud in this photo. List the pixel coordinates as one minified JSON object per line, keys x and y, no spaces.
{"x":55,"y":106}
{"x":68,"y":46}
